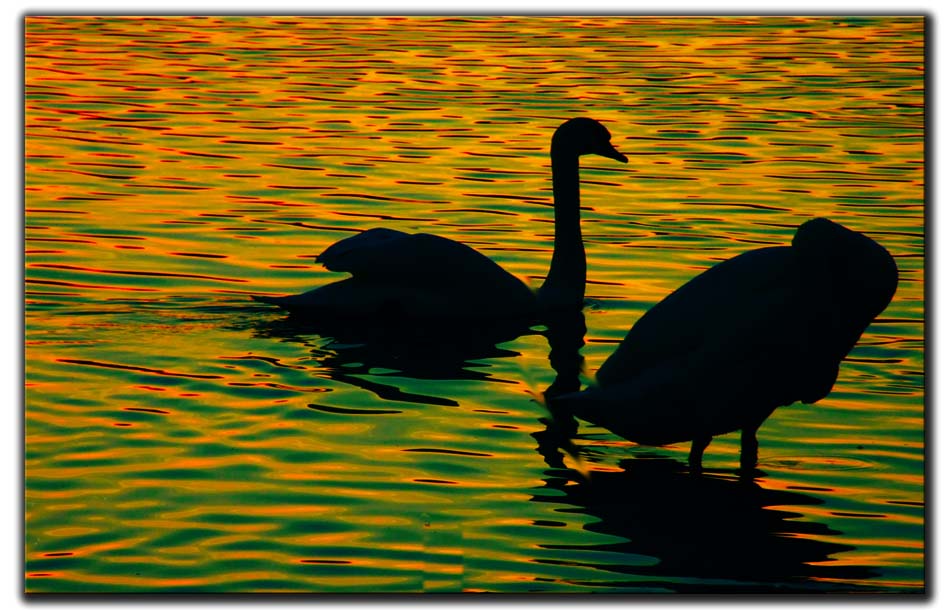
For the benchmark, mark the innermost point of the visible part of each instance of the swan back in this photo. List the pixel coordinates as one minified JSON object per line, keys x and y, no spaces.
{"x":814,"y":297}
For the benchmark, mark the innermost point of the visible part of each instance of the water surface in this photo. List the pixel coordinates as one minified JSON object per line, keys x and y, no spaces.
{"x":181,"y":438}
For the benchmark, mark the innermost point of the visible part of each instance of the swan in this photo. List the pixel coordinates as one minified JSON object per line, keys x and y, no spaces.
{"x":428,"y":276}
{"x":761,"y":330}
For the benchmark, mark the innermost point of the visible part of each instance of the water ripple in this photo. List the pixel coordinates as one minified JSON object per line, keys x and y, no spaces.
{"x":181,"y":438}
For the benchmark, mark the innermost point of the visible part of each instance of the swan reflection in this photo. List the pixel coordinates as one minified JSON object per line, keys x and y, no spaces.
{"x":676,"y":527}
{"x":565,"y":332}
{"x":365,"y":354}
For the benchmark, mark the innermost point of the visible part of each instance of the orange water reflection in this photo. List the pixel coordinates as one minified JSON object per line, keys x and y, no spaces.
{"x":174,"y":165}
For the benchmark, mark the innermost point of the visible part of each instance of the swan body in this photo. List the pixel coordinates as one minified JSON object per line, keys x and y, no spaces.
{"x":424,"y":275}
{"x":427,"y":276}
{"x":761,"y":330}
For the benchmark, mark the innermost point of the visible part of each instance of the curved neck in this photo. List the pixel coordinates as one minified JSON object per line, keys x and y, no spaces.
{"x":564,"y":286}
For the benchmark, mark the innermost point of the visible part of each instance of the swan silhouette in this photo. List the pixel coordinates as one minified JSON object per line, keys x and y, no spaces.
{"x":761,"y":330}
{"x":427,"y":276}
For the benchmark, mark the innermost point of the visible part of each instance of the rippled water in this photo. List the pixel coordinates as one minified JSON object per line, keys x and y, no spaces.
{"x":181,"y":438}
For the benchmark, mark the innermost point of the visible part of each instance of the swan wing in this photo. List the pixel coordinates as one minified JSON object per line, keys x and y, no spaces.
{"x":760,"y":309}
{"x":730,"y":301}
{"x":385,"y":256}
{"x":396,"y":256}
{"x":361,"y":252}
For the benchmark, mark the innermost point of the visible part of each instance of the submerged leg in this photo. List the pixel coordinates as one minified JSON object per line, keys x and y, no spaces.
{"x":696,"y":452}
{"x":749,"y":453}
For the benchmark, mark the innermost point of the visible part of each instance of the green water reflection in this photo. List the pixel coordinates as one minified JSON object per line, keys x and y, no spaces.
{"x":181,"y":438}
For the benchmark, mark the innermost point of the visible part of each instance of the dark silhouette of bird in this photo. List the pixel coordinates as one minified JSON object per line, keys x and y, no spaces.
{"x":761,"y":330}
{"x":428,"y":276}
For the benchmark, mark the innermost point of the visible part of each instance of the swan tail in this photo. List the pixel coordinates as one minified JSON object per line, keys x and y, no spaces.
{"x":266,"y":299}
{"x":291,"y":303}
{"x":307,"y":301}
{"x":601,"y":408}
{"x":646,"y":418}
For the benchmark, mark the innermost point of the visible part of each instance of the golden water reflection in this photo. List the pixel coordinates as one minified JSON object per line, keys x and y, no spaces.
{"x":179,"y":438}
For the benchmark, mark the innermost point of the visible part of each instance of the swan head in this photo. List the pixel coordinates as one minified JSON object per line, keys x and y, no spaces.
{"x":863,"y":269}
{"x":584,"y":136}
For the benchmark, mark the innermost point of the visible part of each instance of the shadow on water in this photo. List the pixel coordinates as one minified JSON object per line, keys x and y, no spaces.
{"x":721,"y":530}
{"x":351,"y":350}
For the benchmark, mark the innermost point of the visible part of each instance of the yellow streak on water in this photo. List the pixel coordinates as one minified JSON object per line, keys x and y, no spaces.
{"x":223,"y":153}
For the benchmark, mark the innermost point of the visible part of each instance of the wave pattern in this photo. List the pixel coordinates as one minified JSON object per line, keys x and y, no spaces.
{"x":180,"y":439}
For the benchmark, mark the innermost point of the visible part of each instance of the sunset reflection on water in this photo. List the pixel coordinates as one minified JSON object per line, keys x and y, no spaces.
{"x":181,"y":438}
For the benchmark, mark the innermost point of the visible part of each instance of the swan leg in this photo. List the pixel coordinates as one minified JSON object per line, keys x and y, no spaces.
{"x":696,"y":452}
{"x":749,"y":452}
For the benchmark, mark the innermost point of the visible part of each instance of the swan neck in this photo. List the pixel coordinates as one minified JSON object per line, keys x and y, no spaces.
{"x":565,"y":173}
{"x":564,"y":286}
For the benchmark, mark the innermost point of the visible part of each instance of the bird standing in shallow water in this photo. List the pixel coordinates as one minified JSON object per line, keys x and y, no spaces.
{"x":430,"y":277}
{"x":761,"y":330}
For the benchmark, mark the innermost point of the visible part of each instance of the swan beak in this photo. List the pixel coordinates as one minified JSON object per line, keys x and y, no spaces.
{"x":612,"y":153}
